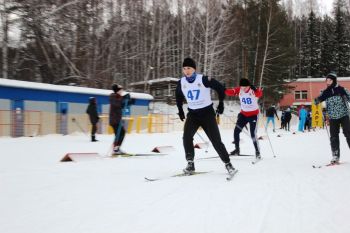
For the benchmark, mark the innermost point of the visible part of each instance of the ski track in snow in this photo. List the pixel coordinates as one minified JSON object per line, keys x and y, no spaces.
{"x":282,"y":194}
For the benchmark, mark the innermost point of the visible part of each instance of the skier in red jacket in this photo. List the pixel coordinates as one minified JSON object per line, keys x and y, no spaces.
{"x":248,"y":95}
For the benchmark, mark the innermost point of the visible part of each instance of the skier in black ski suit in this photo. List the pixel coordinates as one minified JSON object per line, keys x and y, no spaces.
{"x":195,"y":88}
{"x":93,"y":116}
{"x":337,"y":98}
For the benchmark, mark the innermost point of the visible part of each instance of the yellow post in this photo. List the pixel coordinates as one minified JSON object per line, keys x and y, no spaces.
{"x":138,"y":124}
{"x":149,"y":123}
{"x":317,"y":120}
{"x":130,"y":123}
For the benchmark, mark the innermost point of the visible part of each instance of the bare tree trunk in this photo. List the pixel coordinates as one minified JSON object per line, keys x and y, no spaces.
{"x":266,"y":45}
{"x":257,"y":43}
{"x":4,"y":19}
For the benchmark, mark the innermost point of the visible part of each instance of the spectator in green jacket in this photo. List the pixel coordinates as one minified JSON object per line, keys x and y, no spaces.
{"x":337,"y":98}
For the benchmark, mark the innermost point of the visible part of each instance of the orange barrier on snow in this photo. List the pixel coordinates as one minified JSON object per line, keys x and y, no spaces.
{"x":78,"y":157}
{"x":163,"y":149}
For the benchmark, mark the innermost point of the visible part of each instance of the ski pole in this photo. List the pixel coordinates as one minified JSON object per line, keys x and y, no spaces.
{"x":206,"y":143}
{"x":268,"y":137}
{"x":79,"y":126}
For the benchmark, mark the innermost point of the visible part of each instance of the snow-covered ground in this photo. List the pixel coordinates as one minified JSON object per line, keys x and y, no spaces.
{"x":39,"y":194}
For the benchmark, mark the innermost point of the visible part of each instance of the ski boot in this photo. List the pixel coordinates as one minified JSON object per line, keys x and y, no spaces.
{"x":93,"y":139}
{"x":117,"y":151}
{"x":235,"y":152}
{"x":335,"y":158}
{"x":257,"y":155}
{"x":189,"y":170}
{"x":230,"y":168}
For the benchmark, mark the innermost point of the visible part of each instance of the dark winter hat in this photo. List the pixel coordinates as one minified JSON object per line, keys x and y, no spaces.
{"x":92,"y":100}
{"x":189,"y":62}
{"x":244,"y":82}
{"x":332,"y":76}
{"x":116,"y":87}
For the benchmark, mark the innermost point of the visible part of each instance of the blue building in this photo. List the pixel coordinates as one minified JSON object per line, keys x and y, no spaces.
{"x":28,"y":108}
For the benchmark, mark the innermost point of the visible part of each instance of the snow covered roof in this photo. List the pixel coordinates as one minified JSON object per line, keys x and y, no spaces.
{"x":64,"y":88}
{"x":300,"y":80}
{"x":160,"y":80}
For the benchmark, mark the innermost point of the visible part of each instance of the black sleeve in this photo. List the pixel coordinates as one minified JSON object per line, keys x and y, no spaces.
{"x":216,"y":85}
{"x":179,"y":95}
{"x":344,"y":94}
{"x":325,"y":94}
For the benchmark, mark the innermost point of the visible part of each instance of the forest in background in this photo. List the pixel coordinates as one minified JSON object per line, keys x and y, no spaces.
{"x":95,"y":43}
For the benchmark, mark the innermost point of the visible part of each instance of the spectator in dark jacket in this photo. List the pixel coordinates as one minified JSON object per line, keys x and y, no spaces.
{"x":283,"y":119}
{"x":93,"y":116}
{"x":308,"y":121}
{"x":270,"y":114}
{"x":287,"y":118}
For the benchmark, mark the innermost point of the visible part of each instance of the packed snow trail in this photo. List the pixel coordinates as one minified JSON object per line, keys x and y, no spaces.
{"x":283,"y":194}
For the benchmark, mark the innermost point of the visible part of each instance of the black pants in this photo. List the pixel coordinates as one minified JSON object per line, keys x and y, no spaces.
{"x":93,"y":129}
{"x":207,"y":121}
{"x":241,"y":122}
{"x":118,"y":139}
{"x":334,"y":128}
{"x":307,"y":124}
{"x":287,"y":125}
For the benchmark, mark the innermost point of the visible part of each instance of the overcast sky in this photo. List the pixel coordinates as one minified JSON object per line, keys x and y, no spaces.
{"x":302,"y":7}
{"x":327,"y":4}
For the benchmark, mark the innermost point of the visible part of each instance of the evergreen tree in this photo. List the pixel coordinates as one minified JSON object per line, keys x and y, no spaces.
{"x":303,"y":55}
{"x":313,"y":48}
{"x":327,"y":63}
{"x":341,"y":46}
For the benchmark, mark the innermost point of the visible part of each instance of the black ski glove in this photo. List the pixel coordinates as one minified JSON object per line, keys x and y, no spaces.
{"x":220,"y":108}
{"x":253,"y":87}
{"x":181,"y":114}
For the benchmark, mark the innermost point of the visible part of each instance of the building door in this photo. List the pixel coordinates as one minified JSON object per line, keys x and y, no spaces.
{"x":63,"y":118}
{"x":17,"y":118}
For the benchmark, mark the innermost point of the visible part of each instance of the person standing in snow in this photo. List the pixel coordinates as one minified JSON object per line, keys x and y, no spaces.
{"x":337,"y":98}
{"x":117,"y":101}
{"x":283,"y":119}
{"x":195,"y":89}
{"x":308,"y":120}
{"x":93,"y":116}
{"x":287,"y":118}
{"x":302,"y":118}
{"x":270,"y":114}
{"x":248,"y":95}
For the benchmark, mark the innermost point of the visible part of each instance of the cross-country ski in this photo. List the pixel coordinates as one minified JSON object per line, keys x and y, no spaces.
{"x":328,"y":165}
{"x":182,"y":174}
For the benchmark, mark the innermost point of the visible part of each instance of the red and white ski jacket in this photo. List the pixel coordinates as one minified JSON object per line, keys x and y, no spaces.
{"x":248,"y":99}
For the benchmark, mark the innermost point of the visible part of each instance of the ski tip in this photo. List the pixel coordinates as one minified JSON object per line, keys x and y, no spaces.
{"x":150,"y":179}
